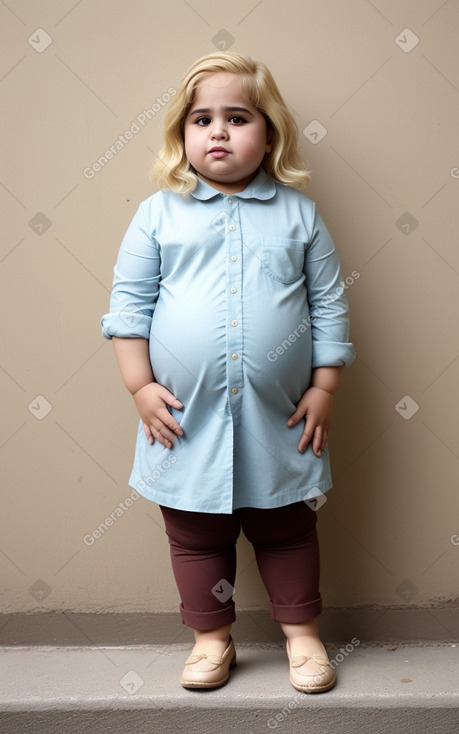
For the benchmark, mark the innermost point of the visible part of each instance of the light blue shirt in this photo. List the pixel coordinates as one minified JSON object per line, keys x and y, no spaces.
{"x":240,"y":297}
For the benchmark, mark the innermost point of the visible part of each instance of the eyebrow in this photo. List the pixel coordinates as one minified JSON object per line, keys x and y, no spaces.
{"x":207,"y":110}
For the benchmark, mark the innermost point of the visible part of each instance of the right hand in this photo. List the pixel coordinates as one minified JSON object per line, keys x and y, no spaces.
{"x":151,"y":402}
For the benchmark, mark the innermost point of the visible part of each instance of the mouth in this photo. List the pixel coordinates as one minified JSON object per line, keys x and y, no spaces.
{"x":218,"y":152}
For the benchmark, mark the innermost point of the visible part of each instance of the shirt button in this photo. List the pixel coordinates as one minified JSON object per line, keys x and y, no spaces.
{"x":234,"y":390}
{"x":233,"y":258}
{"x":230,"y":201}
{"x":234,"y":322}
{"x":234,"y":355}
{"x":232,"y":227}
{"x":233,"y":290}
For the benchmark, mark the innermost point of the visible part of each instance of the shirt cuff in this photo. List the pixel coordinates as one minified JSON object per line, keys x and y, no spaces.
{"x":332,"y":354}
{"x":126,"y":325}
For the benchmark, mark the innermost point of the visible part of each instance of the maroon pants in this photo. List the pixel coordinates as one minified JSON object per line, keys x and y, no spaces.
{"x":203,"y":553}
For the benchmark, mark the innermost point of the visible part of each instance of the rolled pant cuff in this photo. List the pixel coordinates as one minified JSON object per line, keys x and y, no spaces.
{"x":295,"y":613}
{"x":208,"y":620}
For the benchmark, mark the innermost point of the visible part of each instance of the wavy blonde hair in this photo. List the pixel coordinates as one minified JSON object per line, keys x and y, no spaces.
{"x":173,"y":171}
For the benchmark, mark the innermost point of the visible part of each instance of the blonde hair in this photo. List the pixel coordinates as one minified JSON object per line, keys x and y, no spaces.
{"x":172,"y":170}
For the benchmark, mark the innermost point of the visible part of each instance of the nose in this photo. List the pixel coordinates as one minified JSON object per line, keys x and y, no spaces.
{"x":219,"y":131}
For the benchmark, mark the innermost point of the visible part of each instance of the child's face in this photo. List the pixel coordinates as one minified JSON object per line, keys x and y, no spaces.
{"x":214,"y":123}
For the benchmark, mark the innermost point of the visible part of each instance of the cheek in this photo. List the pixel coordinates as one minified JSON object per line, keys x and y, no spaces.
{"x":190,"y":144}
{"x":255,"y":147}
{"x":256,"y":142}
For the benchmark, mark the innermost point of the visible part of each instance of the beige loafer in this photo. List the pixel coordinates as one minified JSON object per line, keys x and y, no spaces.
{"x":209,"y":671}
{"x":311,"y":673}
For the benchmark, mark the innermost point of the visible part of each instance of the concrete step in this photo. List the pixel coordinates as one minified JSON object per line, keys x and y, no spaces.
{"x":134,"y":689}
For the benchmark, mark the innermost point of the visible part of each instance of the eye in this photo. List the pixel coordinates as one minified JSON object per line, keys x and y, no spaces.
{"x":237,"y":120}
{"x":203,"y":121}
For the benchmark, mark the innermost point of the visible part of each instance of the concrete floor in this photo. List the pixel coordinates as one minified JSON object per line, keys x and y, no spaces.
{"x":73,"y":689}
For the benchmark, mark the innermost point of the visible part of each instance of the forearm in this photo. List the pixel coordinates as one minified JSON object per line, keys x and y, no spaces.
{"x":327,"y":378}
{"x":134,"y":362}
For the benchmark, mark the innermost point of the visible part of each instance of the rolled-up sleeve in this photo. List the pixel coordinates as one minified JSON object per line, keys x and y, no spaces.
{"x":135,"y":284}
{"x":328,"y":306}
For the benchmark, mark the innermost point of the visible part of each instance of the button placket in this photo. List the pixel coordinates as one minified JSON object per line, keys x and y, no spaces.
{"x":234,"y":302}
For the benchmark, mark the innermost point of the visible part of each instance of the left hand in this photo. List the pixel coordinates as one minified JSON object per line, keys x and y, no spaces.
{"x":315,"y":406}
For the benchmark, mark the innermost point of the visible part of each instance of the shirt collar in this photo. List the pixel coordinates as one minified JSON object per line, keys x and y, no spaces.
{"x":261,"y":187}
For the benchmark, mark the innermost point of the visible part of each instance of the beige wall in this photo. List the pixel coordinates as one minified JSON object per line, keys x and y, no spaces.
{"x":389,"y":160}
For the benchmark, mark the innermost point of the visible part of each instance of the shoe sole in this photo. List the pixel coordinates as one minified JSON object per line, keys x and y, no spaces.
{"x":314,"y":689}
{"x":213,"y":684}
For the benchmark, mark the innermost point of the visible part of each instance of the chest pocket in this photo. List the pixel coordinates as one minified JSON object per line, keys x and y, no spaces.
{"x":282,"y":259}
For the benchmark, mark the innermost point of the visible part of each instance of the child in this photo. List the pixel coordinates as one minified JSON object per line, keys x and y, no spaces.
{"x":230,"y":327}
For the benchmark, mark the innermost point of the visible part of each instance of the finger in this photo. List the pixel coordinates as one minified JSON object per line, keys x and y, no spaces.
{"x":148,"y":434}
{"x":170,"y":399}
{"x":320,"y":440}
{"x":317,"y":443}
{"x":303,"y":442}
{"x":169,"y":422}
{"x":306,"y":436}
{"x":165,"y":431}
{"x":297,"y":415}
{"x":163,"y":440}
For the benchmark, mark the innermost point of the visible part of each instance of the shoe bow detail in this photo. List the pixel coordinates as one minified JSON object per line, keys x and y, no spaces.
{"x":322,"y":679}
{"x":215,"y":669}
{"x":300,"y":660}
{"x":213,"y":659}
